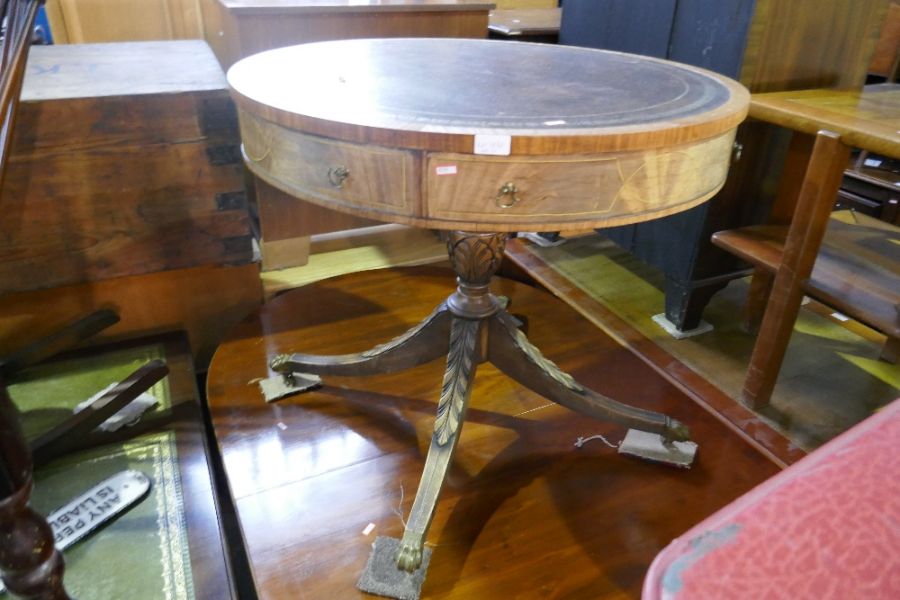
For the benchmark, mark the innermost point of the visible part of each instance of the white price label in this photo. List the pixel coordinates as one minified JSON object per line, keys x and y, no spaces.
{"x":496,"y":145}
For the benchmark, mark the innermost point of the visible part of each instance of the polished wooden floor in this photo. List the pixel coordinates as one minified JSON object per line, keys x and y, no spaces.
{"x":524,"y":514}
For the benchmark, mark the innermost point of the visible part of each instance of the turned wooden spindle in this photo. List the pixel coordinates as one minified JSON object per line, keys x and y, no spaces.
{"x":30,"y":564}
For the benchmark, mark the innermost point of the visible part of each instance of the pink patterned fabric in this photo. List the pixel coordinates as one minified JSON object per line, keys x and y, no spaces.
{"x":827,"y":527}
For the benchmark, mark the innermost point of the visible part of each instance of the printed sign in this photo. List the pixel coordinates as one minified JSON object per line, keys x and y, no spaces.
{"x":85,"y":513}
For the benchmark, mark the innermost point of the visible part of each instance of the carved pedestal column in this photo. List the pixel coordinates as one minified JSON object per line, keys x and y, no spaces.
{"x":475,"y":258}
{"x":470,"y":327}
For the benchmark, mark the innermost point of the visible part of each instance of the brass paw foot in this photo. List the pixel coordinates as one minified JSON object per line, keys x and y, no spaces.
{"x":410,"y":556}
{"x":676,"y":431}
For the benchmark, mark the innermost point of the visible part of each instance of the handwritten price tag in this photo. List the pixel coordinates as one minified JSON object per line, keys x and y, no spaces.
{"x":496,"y":145}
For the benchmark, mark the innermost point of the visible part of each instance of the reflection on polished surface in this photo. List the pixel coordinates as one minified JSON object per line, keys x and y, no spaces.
{"x":523,"y":513}
{"x":269,"y":462}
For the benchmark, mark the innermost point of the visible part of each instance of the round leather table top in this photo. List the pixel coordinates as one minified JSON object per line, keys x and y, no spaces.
{"x":450,"y":87}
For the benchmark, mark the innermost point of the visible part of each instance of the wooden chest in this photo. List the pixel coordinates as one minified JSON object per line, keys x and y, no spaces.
{"x":125,"y":161}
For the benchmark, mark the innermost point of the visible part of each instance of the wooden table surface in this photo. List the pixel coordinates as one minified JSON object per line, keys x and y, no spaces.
{"x":525,"y":21}
{"x":524,"y":513}
{"x":868,"y":119}
{"x":248,"y":7}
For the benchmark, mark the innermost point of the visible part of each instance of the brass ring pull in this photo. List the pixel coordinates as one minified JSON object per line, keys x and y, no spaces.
{"x":338,"y":175}
{"x":506,"y":195}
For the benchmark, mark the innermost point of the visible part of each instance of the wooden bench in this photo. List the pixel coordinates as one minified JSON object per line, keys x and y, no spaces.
{"x":851,"y":274}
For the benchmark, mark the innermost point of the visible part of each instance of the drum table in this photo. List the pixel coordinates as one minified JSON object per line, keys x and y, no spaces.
{"x":482,"y":138}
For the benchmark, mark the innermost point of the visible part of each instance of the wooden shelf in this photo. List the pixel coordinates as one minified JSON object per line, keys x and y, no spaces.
{"x":857,"y":270}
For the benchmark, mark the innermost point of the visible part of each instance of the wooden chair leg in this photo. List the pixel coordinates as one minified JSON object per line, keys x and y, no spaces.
{"x":757,"y":298}
{"x":890,"y":352}
{"x":810,"y":220}
{"x":30,"y":564}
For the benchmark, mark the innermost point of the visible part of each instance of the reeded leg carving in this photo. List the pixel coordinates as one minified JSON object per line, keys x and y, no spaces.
{"x":511,"y":352}
{"x":462,"y":360}
{"x":421,"y":344}
{"x":31,"y":565}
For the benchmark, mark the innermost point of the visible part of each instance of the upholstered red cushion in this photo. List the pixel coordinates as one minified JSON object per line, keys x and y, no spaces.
{"x":826,"y":527}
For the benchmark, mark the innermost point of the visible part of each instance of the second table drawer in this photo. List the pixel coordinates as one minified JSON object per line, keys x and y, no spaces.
{"x":610,"y":188}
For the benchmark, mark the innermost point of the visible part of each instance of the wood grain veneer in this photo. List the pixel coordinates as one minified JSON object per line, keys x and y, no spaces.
{"x":867,"y":118}
{"x":810,"y":44}
{"x":558,"y":191}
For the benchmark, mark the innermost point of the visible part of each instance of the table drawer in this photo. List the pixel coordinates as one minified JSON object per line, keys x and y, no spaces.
{"x":368,"y":178}
{"x":594,"y":190}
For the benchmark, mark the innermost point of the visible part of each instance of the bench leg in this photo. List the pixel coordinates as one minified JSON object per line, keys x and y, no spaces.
{"x":821,"y":182}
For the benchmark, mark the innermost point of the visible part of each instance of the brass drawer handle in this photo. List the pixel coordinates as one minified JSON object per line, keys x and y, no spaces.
{"x":507,"y":195}
{"x":338,"y":175}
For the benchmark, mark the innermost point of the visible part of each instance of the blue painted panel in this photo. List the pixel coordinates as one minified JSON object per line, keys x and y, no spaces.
{"x":711,"y":34}
{"x":638,"y":26}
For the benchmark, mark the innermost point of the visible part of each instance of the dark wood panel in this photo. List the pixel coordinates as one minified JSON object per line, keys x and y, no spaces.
{"x":758,"y":244}
{"x":122,"y":164}
{"x":97,"y":214}
{"x":524,"y":513}
{"x":234,"y":32}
